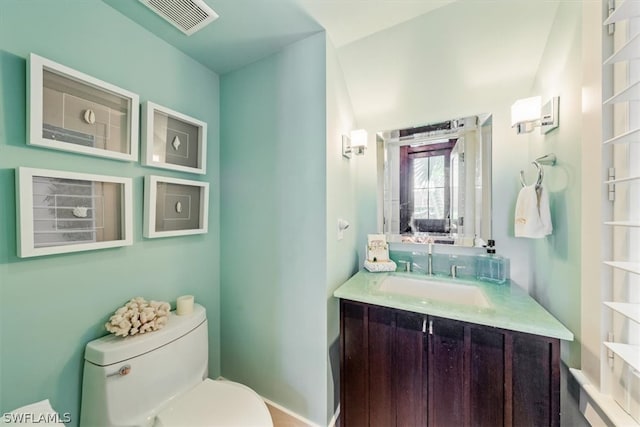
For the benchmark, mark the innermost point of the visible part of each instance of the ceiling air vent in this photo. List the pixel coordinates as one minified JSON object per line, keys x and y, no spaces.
{"x":188,"y":16}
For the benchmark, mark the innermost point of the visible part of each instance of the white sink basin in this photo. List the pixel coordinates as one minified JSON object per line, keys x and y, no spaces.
{"x":453,"y":293}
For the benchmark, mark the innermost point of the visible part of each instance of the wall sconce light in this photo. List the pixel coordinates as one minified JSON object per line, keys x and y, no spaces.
{"x":355,"y":143}
{"x":529,"y":113}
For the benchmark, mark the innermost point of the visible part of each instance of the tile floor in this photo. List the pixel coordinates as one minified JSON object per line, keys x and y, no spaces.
{"x":282,"y":419}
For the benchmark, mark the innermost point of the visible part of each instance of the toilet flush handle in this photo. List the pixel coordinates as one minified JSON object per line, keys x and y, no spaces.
{"x":124,"y":370}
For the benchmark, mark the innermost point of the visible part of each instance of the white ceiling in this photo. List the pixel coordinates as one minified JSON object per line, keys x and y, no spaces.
{"x":349,"y":20}
{"x":248,"y":30}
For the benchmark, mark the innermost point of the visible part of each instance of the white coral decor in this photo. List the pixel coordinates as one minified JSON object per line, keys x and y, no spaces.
{"x":138,"y":316}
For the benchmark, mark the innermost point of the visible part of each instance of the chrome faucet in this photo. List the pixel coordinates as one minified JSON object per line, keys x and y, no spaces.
{"x":454,"y":270}
{"x":430,"y":259}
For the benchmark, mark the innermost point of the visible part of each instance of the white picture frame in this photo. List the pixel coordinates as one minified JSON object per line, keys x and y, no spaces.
{"x":61,"y":212}
{"x":175,"y":207}
{"x":173,"y":140}
{"x":72,"y":111}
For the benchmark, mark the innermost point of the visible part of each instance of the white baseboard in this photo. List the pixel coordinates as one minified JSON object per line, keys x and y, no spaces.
{"x":334,"y":419}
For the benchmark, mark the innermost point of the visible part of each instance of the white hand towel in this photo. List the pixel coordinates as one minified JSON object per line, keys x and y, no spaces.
{"x":532,"y":216}
{"x":545,"y":211}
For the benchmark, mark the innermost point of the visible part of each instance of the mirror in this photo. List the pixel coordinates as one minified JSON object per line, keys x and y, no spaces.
{"x":437,"y":182}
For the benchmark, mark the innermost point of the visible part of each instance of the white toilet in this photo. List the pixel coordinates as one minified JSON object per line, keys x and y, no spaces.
{"x":160,"y":379}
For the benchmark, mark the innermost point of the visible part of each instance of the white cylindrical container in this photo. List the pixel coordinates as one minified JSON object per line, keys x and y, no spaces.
{"x":184,"y":305}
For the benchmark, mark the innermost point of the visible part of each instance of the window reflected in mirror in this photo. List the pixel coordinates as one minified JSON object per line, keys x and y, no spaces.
{"x":424,"y":173}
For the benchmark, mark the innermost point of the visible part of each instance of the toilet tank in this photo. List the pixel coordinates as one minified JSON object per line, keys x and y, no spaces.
{"x":126,"y":380}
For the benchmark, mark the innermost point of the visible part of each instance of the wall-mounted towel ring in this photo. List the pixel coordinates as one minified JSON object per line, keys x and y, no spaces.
{"x":540,"y":175}
{"x":548,"y":159}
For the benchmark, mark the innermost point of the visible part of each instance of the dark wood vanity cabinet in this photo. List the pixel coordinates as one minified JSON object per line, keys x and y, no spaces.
{"x":400,"y":368}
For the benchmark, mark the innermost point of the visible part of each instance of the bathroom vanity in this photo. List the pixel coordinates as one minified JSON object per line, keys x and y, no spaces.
{"x":412,"y":356}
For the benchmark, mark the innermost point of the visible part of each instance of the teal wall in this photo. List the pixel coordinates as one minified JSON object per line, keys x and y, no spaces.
{"x":50,"y":307}
{"x":341,"y":197}
{"x":556,"y":259}
{"x":273,"y":227}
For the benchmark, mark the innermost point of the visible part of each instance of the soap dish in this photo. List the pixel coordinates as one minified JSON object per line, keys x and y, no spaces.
{"x":380,"y":266}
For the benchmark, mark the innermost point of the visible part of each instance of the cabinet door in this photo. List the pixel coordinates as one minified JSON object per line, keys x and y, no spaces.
{"x":381,"y":366}
{"x":466,"y":374}
{"x":446,"y":373}
{"x":354,"y":409}
{"x":536,"y":380}
{"x":487,"y":382}
{"x":410,"y":371}
{"x":397,"y":366}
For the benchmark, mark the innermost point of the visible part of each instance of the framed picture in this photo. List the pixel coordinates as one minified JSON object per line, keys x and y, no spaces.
{"x":60,"y":212}
{"x":71,"y":111}
{"x":175,"y":207}
{"x":172,"y":140}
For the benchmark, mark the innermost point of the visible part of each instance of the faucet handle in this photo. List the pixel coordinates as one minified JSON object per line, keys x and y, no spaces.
{"x":454,"y":270}
{"x":405,"y":265}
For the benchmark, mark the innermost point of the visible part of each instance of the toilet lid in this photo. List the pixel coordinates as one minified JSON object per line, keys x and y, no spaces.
{"x":216,"y":403}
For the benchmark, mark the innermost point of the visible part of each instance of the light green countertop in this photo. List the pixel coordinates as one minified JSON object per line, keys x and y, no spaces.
{"x":511,"y":307}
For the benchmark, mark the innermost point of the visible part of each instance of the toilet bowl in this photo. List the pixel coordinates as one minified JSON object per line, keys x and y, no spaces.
{"x":160,"y":379}
{"x":215,"y":403}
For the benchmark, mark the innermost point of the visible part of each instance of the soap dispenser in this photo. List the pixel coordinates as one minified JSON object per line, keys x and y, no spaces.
{"x":491,"y":267}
